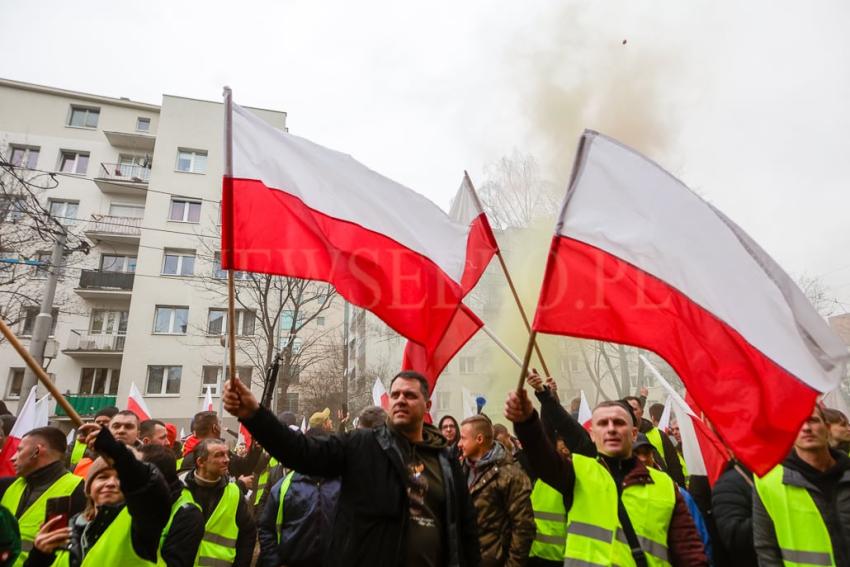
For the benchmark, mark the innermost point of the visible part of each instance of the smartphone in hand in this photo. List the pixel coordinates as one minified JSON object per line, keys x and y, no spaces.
{"x":61,"y":507}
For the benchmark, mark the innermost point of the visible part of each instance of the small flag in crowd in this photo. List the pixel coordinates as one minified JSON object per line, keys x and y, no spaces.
{"x":29,"y":417}
{"x":379,"y":395}
{"x":136,"y":403}
{"x":584,"y":413}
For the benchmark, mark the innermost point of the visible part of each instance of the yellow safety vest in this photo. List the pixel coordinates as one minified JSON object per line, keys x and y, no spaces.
{"x":32,"y":518}
{"x":654,"y":437}
{"x":594,"y":533}
{"x":184,"y":499}
{"x":283,"y":489}
{"x":800,"y":530}
{"x":263,"y":480}
{"x":179,"y":463}
{"x":115,"y":547}
{"x":77,"y":453}
{"x":218,"y":548}
{"x":550,"y":517}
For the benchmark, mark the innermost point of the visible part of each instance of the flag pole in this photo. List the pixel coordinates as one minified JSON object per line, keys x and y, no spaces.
{"x":502,"y":345}
{"x":41,"y":374}
{"x":525,"y":361}
{"x":510,"y":281}
{"x":231,"y":291}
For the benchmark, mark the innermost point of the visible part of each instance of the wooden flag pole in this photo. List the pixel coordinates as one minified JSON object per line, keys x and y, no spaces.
{"x":525,"y":361}
{"x":40,"y":373}
{"x":510,"y":282}
{"x":231,"y":286}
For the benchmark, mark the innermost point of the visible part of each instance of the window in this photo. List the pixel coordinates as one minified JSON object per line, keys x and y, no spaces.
{"x":64,"y":211}
{"x":30,"y":313}
{"x":466,"y":364}
{"x":73,"y":162}
{"x":118,"y":263}
{"x":444,"y":401}
{"x":287,"y":324}
{"x":16,"y":381}
{"x":107,"y":322}
{"x":84,"y":117}
{"x":184,"y":210}
{"x":217,"y":322}
{"x":24,"y":156}
{"x":42,"y":265}
{"x":320,"y":321}
{"x":7,"y":269}
{"x":290,"y":402}
{"x":178,"y":262}
{"x":143,"y":124}
{"x":191,"y":161}
{"x":127,"y":211}
{"x":163,"y":380}
{"x":211,"y":374}
{"x":221,"y":274}
{"x":12,"y":208}
{"x":99,"y":381}
{"x":171,"y":320}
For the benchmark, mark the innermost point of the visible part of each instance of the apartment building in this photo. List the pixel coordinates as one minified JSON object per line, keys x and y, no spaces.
{"x":140,"y":183}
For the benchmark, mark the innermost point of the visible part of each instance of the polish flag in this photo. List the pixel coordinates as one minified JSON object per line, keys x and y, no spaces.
{"x":294,"y":208}
{"x":136,"y":403}
{"x":304,"y":424}
{"x":584,"y":412}
{"x":244,"y":436}
{"x":29,"y":417}
{"x":466,"y":210}
{"x":703,"y":452}
{"x":379,"y":395}
{"x":664,"y":420}
{"x":207,"y":403}
{"x":639,"y":259}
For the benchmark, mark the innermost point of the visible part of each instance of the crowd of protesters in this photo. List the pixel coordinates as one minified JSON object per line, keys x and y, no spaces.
{"x":398,"y":491}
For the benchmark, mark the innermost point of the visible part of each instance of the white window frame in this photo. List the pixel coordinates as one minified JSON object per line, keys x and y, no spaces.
{"x":77,"y":170}
{"x":186,"y":202}
{"x":172,"y":319}
{"x":320,"y":321}
{"x":196,"y":166}
{"x":166,"y":371}
{"x":240,"y":322}
{"x":113,"y":377}
{"x":221,"y":274}
{"x":444,"y":401}
{"x":118,"y":318}
{"x":35,"y":310}
{"x":29,"y":152}
{"x":466,"y":365}
{"x":10,"y":382}
{"x":125,"y":263}
{"x":89,"y":111}
{"x":143,"y":120}
{"x":138,"y":208}
{"x":213,"y":387}
{"x":181,"y":256}
{"x":62,"y":215}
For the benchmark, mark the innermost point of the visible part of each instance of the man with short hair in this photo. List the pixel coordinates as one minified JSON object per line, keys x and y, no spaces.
{"x":839,"y":429}
{"x":124,"y":426}
{"x":153,"y":432}
{"x":801,"y":508}
{"x":501,"y":494}
{"x":619,"y":511}
{"x":270,"y":471}
{"x":41,"y":475}
{"x":372,"y":417}
{"x":230,"y":531}
{"x":206,"y":425}
{"x":669,"y":459}
{"x":656,"y":410}
{"x":403,"y":501}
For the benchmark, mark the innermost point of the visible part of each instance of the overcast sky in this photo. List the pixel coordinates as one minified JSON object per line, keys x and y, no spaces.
{"x":747,"y":102}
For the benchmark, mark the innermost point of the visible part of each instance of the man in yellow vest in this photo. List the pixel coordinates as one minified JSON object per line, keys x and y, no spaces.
{"x":660,"y":440}
{"x":619,"y":512}
{"x":230,"y":531}
{"x":801,"y":508}
{"x":269,"y":470}
{"x":41,"y":475}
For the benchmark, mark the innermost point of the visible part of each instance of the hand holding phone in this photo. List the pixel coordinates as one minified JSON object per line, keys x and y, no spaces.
{"x":60,"y":508}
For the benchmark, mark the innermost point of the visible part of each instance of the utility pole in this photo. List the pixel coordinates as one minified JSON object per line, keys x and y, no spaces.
{"x":346,"y":375}
{"x":44,"y":319}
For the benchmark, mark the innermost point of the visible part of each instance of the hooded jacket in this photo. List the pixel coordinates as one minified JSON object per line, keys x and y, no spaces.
{"x":501,"y":493}
{"x":373,"y":520}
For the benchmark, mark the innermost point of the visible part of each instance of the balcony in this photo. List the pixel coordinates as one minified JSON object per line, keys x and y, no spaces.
{"x":116,"y":230}
{"x":123,"y":178}
{"x":132,"y":141}
{"x":86,"y":405}
{"x":96,"y":284}
{"x":83,"y":343}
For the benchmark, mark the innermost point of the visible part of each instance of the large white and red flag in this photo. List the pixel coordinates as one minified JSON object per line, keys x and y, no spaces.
{"x":30,"y":415}
{"x":638,"y":258}
{"x":295,"y":208}
{"x":430,"y":361}
{"x":136,"y":403}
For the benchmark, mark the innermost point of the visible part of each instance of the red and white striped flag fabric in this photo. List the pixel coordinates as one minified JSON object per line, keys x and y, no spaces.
{"x":584,"y":412}
{"x":466,"y":210}
{"x":295,"y":208}
{"x":207,"y":404}
{"x":29,"y":417}
{"x":637,"y":258}
{"x":136,"y":403}
{"x":380,"y":397}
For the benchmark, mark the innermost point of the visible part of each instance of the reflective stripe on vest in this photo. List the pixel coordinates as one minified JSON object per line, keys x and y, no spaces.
{"x":32,"y":518}
{"x":550,"y":518}
{"x":263,"y":480}
{"x":77,"y":453}
{"x":654,"y":437}
{"x":114,"y":547}
{"x":800,"y":530}
{"x":180,"y":463}
{"x":218,"y":547}
{"x":185,"y":499}
{"x":594,"y":533}
{"x":283,"y":490}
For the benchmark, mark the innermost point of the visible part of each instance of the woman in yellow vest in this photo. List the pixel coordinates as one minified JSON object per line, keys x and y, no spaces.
{"x":127,"y":509}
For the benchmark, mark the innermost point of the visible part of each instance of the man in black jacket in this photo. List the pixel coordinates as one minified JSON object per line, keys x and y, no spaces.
{"x":732,"y":506}
{"x":403,"y":501}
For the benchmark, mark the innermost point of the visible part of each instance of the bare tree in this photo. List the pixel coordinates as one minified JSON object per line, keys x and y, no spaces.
{"x":818,"y":294}
{"x":514,"y":193}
